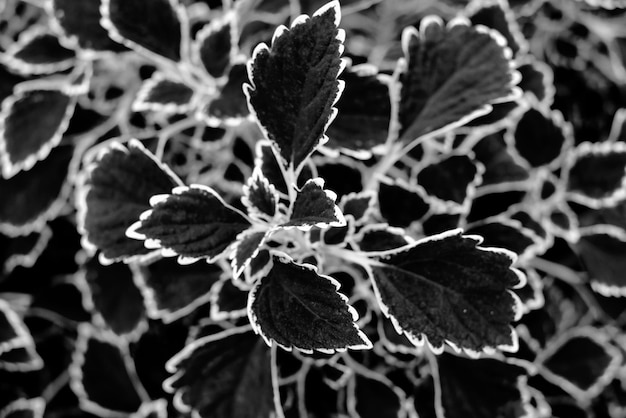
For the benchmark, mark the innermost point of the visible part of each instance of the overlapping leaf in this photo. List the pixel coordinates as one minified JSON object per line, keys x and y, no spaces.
{"x":115,"y":191}
{"x":38,"y":51}
{"x":159,"y":94}
{"x":214,"y":46}
{"x":500,"y":165}
{"x":245,"y":249}
{"x":497,"y":15}
{"x":22,"y":250}
{"x":446,"y":289}
{"x":260,"y":197}
{"x":296,"y":307}
{"x":24,"y":408}
{"x":294,"y":83}
{"x":230,"y":106}
{"x":401,"y":204}
{"x":315,"y":206}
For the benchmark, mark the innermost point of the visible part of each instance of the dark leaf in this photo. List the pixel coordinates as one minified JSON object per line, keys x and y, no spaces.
{"x":582,"y":362}
{"x":214,"y":46}
{"x":37,"y":195}
{"x":228,"y":301}
{"x":8,"y":81}
{"x":259,"y":266}
{"x":267,"y":163}
{"x":452,"y":180}
{"x":152,"y":26}
{"x":226,"y":375}
{"x":400,"y":204}
{"x":116,"y":190}
{"x":294,"y":306}
{"x":451,"y":74}
{"x":497,"y":15}
{"x":32,"y":125}
{"x":446,"y":289}
{"x":159,"y":94}
{"x":358,"y":205}
{"x":315,"y":206}
{"x":597,"y":174}
{"x":38,"y":51}
{"x":508,"y":234}
{"x":294,"y":84}
{"x":24,"y":408}
{"x":230,"y":106}
{"x":99,"y":375}
{"x":80,"y":24}
{"x":172,"y":291}
{"x":480,"y":388}
{"x":374,"y":397}
{"x":116,"y":300}
{"x":23,"y":250}
{"x":246,"y":248}
{"x":618,"y":129}
{"x":193,"y":222}
{"x":363,"y":119}
{"x":260,"y":197}
{"x":381,"y":238}
{"x":13,"y":332}
{"x":500,"y":165}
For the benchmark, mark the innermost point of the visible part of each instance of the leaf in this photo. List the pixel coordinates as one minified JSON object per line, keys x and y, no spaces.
{"x":374,"y":396}
{"x":400,"y":204}
{"x":79,"y":24}
{"x":147,"y":26}
{"x":193,"y":222}
{"x":294,"y":83}
{"x":228,"y":301}
{"x":37,"y":195}
{"x":315,"y":206}
{"x":258,"y":266}
{"x":230,"y":106}
{"x":24,"y":408}
{"x":114,"y":191}
{"x":510,"y":235}
{"x":381,"y":237}
{"x":501,"y":166}
{"x":538,"y":79}
{"x":618,"y":128}
{"x":447,"y":289}
{"x":246,"y":248}
{"x":32,"y":125}
{"x":496,"y":14}
{"x":172,"y":291}
{"x":358,"y":205}
{"x":38,"y":51}
{"x":23,"y":250}
{"x":451,"y":75}
{"x":108,"y":390}
{"x":296,"y":307}
{"x":260,"y":197}
{"x":362,"y":122}
{"x":226,"y":375}
{"x":13,"y":331}
{"x":215,"y":46}
{"x":597,"y":174}
{"x":582,"y":362}
{"x":159,"y":94}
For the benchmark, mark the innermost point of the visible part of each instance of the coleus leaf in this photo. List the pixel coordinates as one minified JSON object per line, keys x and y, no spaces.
{"x":239,"y":361}
{"x":314,"y":206}
{"x":171,"y":291}
{"x":230,"y":105}
{"x":104,"y":391}
{"x":160,"y":94}
{"x":496,"y":14}
{"x":537,"y":79}
{"x":582,"y":362}
{"x":597,"y":174}
{"x":374,"y":396}
{"x":510,"y":235}
{"x":115,"y":190}
{"x":37,"y":195}
{"x":24,"y":408}
{"x":155,"y":27}
{"x":618,"y":128}
{"x":13,"y":331}
{"x":260,"y":197}
{"x":294,"y":83}
{"x":215,"y":45}
{"x":358,"y":205}
{"x":501,"y":166}
{"x":32,"y":124}
{"x":246,"y":248}
{"x":401,"y":204}
{"x":295,"y":306}
{"x":447,"y":289}
{"x":443,"y":84}
{"x":381,"y":237}
{"x":193,"y":222}
{"x":38,"y":51}
{"x":228,"y":301}
{"x":23,"y":250}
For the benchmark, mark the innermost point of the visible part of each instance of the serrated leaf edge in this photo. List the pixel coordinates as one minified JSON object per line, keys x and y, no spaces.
{"x":142,"y":104}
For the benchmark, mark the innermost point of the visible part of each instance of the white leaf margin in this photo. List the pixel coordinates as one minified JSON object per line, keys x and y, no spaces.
{"x":143,"y":104}
{"x":258,"y":179}
{"x":35,"y":405}
{"x":218,"y":314}
{"x":238,"y":270}
{"x":30,"y":258}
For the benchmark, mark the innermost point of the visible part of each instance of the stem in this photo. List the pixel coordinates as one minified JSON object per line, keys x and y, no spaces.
{"x":167,"y":133}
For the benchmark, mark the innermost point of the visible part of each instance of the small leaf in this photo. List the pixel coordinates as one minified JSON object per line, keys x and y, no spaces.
{"x":381,"y":237}
{"x":294,"y":83}
{"x":148,"y":26}
{"x":260,"y":197}
{"x":215,"y":46}
{"x":496,"y":14}
{"x":228,"y":301}
{"x":23,"y":250}
{"x":538,"y":79}
{"x":374,"y":396}
{"x":296,"y":307}
{"x":32,"y":125}
{"x":400,"y":204}
{"x":315,"y":206}
{"x":258,"y":266}
{"x":239,"y":361}
{"x":13,"y":331}
{"x":24,"y":408}
{"x":159,"y":94}
{"x":245,"y":249}
{"x":510,"y":235}
{"x":230,"y":106}
{"x":501,"y":166}
{"x":79,"y":22}
{"x":193,"y":222}
{"x":358,"y":205}
{"x":113,"y":193}
{"x":597,"y":174}
{"x":446,"y":289}
{"x":451,"y":75}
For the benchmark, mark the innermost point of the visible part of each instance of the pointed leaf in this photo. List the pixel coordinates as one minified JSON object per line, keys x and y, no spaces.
{"x":32,"y":125}
{"x":446,"y":289}
{"x":159,"y":94}
{"x":228,"y":301}
{"x":500,"y":165}
{"x":381,"y":238}
{"x":358,"y":205}
{"x":38,"y":51}
{"x":315,"y":206}
{"x":400,"y":204}
{"x":294,"y":83}
{"x":260,"y":196}
{"x":245,"y":249}
{"x":114,"y":192}
{"x":497,"y":15}
{"x":192,"y":222}
{"x":230,"y":106}
{"x":214,"y":46}
{"x":13,"y":331}
{"x":23,"y":250}
{"x":154,"y":26}
{"x":510,"y":235}
{"x":296,"y":307}
{"x":444,"y":85}
{"x":226,"y":375}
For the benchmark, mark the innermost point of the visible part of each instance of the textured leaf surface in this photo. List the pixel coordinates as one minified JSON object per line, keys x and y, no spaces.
{"x":259,"y":196}
{"x":192,"y":222}
{"x":315,"y":206}
{"x":213,"y":45}
{"x":161,"y":94}
{"x":446,"y":289}
{"x":496,"y":14}
{"x":115,"y":192}
{"x":294,"y":83}
{"x":296,"y":307}
{"x":39,"y":52}
{"x":452,"y":75}
{"x":226,"y":375}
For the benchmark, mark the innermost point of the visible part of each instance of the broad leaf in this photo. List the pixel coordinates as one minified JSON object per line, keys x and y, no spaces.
{"x":214,"y":46}
{"x":497,"y":15}
{"x":260,"y":196}
{"x":115,"y":191}
{"x":358,"y":205}
{"x":446,"y":289}
{"x":510,"y":235}
{"x":245,"y":249}
{"x":32,"y":125}
{"x":381,"y":237}
{"x":400,"y":204}
{"x":38,"y":51}
{"x":230,"y":106}
{"x":226,"y":375}
{"x":374,"y":396}
{"x":294,"y":83}
{"x":24,"y":408}
{"x":193,"y":222}
{"x":159,"y":94}
{"x":315,"y":206}
{"x":294,"y":306}
{"x":450,"y":75}
{"x":228,"y":301}
{"x":148,"y":26}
